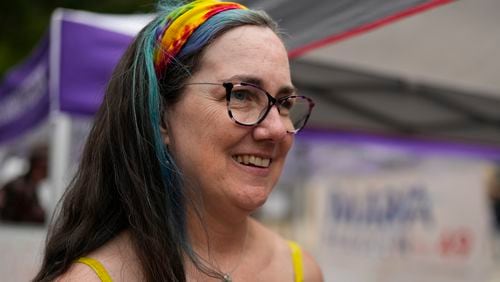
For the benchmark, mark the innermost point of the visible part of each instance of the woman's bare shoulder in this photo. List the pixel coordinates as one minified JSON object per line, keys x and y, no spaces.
{"x":116,"y":257}
{"x":282,"y":252}
{"x":312,"y":271}
{"x":79,"y":272}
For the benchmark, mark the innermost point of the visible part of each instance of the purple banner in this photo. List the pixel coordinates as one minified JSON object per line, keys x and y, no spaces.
{"x":88,"y":57}
{"x":24,"y":95}
{"x":407,"y":143}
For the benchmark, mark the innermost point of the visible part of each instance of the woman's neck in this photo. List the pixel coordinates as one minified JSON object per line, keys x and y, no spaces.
{"x":220,"y":241}
{"x":222,"y":234}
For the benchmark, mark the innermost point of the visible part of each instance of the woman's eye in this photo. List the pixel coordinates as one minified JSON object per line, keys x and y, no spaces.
{"x":239,"y":95}
{"x":243,"y":95}
{"x":287,"y":104}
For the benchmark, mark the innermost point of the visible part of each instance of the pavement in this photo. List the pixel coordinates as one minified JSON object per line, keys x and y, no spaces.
{"x":20,"y":251}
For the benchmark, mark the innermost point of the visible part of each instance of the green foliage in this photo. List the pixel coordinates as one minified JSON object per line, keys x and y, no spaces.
{"x":24,"y":22}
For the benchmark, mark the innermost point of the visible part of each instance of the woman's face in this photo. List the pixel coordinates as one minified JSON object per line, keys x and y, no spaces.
{"x":208,"y":146}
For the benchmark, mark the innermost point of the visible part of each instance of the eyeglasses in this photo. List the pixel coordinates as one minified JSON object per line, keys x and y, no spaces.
{"x":248,"y":105}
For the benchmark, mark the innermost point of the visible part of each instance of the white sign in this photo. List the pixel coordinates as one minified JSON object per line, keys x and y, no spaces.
{"x":402,"y":220}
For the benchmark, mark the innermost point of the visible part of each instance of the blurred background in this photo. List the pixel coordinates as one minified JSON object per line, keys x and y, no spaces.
{"x":396,"y":178}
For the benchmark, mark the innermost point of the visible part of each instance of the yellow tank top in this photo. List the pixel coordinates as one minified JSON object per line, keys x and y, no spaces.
{"x":294,"y":247}
{"x":97,"y":267}
{"x":298,"y":269}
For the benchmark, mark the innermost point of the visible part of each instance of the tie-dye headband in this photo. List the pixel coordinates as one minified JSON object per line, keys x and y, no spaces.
{"x":177,"y":27}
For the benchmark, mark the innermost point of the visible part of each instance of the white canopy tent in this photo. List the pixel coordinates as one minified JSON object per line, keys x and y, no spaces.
{"x":456,"y":45}
{"x":431,"y":75}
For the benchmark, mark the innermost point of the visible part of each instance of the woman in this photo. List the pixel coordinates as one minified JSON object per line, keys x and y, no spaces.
{"x":186,"y":145}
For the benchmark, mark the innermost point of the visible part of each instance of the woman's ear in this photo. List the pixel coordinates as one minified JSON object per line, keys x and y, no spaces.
{"x":164,"y":132}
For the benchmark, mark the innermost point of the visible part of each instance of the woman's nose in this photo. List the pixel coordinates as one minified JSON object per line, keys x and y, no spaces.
{"x":272,"y":127}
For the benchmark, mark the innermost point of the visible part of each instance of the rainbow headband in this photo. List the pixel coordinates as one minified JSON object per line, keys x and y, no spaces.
{"x":174,"y":31}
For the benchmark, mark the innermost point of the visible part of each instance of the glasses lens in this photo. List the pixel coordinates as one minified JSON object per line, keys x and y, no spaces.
{"x":294,"y":111}
{"x":247,"y":104}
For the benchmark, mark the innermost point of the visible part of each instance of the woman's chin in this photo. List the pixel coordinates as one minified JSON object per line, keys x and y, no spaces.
{"x":252,"y":201}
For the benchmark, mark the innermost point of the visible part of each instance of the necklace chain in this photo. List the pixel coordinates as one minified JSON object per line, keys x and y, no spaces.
{"x":226,"y":276}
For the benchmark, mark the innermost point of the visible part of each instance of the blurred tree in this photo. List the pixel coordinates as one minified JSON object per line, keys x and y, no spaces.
{"x":23,"y":22}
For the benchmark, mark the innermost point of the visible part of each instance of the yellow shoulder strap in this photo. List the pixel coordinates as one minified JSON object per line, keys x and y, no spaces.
{"x":97,"y":267}
{"x":297,"y":261}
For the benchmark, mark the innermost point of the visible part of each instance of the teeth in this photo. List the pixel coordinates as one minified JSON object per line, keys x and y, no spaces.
{"x":258,"y":161}
{"x":253,"y":160}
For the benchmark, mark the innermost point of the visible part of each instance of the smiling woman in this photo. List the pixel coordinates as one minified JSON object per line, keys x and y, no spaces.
{"x":190,"y":140}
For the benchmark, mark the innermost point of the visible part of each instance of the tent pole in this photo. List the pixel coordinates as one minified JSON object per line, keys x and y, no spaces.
{"x":60,"y":156}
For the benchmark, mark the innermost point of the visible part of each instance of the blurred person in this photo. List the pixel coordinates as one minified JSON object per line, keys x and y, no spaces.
{"x":190,"y":139}
{"x":494,"y":195}
{"x":19,"y":197}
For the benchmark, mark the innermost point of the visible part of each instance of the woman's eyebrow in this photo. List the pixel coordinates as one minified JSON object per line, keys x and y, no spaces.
{"x":247,"y":78}
{"x":287,"y":90}
{"x":284,"y":90}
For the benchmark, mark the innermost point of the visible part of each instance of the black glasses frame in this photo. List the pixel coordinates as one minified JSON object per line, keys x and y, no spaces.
{"x":271,"y":102}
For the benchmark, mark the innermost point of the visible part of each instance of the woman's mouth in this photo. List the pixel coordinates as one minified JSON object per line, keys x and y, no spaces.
{"x":252,"y":160}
